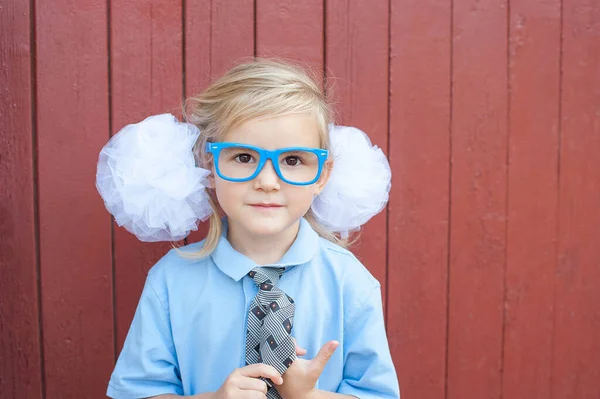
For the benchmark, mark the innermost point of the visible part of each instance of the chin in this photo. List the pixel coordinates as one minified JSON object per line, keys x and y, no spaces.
{"x":267,"y":228}
{"x":264,"y":226}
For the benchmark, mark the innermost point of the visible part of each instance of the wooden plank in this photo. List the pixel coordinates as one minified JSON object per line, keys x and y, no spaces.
{"x":218,"y":34}
{"x":357,"y":66}
{"x":478,"y":198}
{"x":291,"y":30}
{"x":532,"y":201}
{"x":20,"y":359}
{"x":146,"y":79}
{"x":576,"y":370}
{"x":418,"y":210}
{"x":75,"y":243}
{"x":198,"y":46}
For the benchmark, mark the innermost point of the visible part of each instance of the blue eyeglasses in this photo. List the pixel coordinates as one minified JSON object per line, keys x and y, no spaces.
{"x":241,"y":162}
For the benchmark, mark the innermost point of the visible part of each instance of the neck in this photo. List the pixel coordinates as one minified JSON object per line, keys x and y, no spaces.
{"x":263,"y":250}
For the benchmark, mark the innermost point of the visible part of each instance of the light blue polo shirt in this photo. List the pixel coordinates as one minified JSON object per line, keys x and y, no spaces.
{"x":188,"y":332}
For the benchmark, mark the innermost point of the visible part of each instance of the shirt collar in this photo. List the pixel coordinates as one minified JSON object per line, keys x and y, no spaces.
{"x":237,"y":265}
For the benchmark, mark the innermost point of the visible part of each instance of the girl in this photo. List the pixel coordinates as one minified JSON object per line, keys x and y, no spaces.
{"x":270,"y":304}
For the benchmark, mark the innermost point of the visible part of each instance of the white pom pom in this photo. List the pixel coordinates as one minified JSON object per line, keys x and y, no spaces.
{"x":360,"y":182}
{"x":149,"y":182}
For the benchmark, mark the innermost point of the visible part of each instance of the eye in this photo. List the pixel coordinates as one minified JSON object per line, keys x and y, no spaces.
{"x":292,"y":160}
{"x":243,"y":158}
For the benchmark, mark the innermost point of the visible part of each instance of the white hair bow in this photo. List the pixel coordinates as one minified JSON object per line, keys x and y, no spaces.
{"x":360,"y":182}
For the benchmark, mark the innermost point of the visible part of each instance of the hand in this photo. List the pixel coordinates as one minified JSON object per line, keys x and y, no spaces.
{"x":301,"y":377}
{"x":245,"y":383}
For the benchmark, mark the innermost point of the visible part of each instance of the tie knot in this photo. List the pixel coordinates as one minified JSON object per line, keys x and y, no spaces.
{"x":266,"y":277}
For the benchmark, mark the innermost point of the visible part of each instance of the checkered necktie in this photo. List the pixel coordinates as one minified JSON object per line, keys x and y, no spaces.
{"x":270,"y":321}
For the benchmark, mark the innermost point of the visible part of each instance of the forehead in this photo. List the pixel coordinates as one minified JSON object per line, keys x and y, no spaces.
{"x":295,"y":130}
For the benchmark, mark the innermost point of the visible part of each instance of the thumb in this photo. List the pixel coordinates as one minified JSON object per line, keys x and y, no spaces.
{"x":320,"y":361}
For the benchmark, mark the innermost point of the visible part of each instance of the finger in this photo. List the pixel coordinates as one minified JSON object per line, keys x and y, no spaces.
{"x":262,"y":370}
{"x":252,"y":384}
{"x":319,"y":362}
{"x":299,"y":351}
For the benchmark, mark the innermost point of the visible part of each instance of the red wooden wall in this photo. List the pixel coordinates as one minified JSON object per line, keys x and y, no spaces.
{"x":490,"y":113}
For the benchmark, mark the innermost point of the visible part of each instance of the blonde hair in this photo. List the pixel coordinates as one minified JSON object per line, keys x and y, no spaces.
{"x":257,"y":89}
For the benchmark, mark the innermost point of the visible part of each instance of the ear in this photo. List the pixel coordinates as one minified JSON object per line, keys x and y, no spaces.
{"x":211,"y":178}
{"x":319,"y":186}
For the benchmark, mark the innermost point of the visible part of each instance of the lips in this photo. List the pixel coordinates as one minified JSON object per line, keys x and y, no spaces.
{"x":261,"y":205}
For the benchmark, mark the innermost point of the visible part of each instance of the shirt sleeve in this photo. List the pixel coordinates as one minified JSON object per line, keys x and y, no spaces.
{"x":147,"y":365}
{"x":368,"y":368}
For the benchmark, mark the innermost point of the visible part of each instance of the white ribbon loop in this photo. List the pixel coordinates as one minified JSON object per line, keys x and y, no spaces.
{"x":360,"y":182}
{"x":149,"y":182}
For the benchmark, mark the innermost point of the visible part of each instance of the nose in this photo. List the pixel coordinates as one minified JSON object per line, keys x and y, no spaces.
{"x":267,"y":179}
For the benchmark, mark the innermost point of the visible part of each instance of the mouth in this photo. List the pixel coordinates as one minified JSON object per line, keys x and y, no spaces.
{"x":261,"y":205}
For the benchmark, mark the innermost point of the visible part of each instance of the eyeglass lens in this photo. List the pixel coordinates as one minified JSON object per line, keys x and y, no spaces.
{"x":295,"y":166}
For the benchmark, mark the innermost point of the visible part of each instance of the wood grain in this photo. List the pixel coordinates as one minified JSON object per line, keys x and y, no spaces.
{"x":534,"y":69}
{"x":75,"y":242}
{"x":21,"y":365}
{"x":419,"y":205}
{"x":291,"y":30}
{"x":478,"y":199}
{"x":575,"y":364}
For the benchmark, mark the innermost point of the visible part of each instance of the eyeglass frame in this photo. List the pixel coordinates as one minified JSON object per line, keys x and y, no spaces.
{"x":263,"y":156}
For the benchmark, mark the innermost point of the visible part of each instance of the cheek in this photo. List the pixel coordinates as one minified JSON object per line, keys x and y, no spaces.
{"x":301,"y":197}
{"x":228,"y":193}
